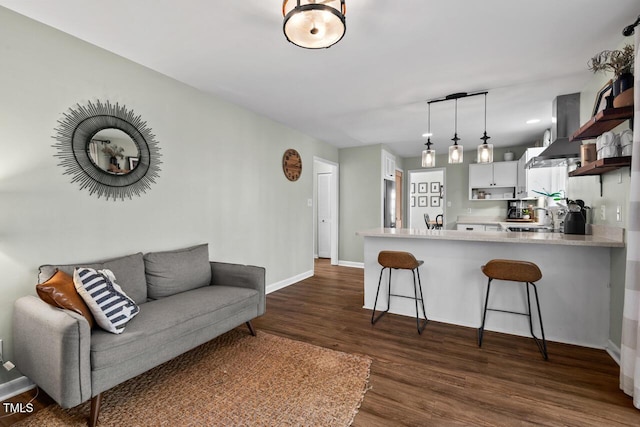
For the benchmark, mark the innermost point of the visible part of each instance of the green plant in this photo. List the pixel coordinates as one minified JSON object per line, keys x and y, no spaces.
{"x":618,"y":61}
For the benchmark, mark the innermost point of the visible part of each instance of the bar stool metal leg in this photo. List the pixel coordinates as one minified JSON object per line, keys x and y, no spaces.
{"x":542,"y":345}
{"x":484,"y":314}
{"x":415,"y":290}
{"x":373,"y":318}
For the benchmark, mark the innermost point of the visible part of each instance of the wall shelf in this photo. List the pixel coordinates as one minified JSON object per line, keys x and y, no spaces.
{"x":602,"y":166}
{"x":604,"y":121}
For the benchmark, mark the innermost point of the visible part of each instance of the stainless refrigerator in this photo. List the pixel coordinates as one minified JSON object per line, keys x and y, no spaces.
{"x":389,"y":204}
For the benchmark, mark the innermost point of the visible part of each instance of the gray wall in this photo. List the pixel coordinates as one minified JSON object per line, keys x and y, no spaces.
{"x":221,"y":180}
{"x":360,"y":198}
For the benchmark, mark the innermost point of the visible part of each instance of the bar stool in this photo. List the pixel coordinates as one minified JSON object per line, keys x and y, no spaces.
{"x":395,"y":260}
{"x":515,"y":271}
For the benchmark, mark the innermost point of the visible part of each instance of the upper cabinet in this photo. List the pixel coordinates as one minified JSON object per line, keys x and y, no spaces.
{"x":493,"y":180}
{"x":388,"y":166}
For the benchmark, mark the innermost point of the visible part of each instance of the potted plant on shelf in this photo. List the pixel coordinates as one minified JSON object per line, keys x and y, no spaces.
{"x":620,"y":62}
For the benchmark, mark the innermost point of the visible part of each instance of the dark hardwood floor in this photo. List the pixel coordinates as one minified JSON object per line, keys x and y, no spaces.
{"x":441,"y":377}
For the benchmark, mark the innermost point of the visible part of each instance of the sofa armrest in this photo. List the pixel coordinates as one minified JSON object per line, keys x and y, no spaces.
{"x":52,"y":348}
{"x":245,"y":276}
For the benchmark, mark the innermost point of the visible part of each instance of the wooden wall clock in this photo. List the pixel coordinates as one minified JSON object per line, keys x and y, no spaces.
{"x":292,"y":164}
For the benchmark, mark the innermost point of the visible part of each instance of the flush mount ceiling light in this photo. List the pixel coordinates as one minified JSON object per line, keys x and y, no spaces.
{"x":485,"y":151}
{"x":428,"y":155}
{"x":314,"y":24}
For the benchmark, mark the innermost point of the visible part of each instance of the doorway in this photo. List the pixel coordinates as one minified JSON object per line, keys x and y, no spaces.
{"x":325,"y":214}
{"x":427,"y":196}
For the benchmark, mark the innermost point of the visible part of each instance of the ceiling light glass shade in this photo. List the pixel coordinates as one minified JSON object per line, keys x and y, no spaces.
{"x":428,"y":158}
{"x":455,"y":154}
{"x":485,"y":153}
{"x":314,"y":24}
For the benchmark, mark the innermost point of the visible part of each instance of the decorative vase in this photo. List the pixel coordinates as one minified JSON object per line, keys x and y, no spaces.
{"x":114,"y":161}
{"x":625,"y":99}
{"x":622,"y":83}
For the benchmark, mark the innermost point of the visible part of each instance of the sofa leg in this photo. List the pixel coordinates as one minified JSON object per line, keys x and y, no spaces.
{"x":95,"y":410}
{"x":250,"y":326}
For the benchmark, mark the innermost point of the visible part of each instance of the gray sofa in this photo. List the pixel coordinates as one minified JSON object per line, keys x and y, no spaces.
{"x":185,"y":300}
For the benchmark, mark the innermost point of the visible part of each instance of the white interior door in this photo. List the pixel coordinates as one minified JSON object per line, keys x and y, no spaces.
{"x":324,"y":215}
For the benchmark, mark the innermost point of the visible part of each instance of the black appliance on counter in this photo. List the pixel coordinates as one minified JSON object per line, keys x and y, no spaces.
{"x":576,"y":218}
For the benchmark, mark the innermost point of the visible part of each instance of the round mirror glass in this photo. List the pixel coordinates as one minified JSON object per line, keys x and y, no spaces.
{"x":113,"y":151}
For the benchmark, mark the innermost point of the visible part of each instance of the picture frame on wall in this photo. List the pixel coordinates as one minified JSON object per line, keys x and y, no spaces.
{"x":601,"y":97}
{"x":422,"y":201}
{"x":435,"y":201}
{"x":413,"y":201}
{"x":435,"y":187}
{"x":422,"y":187}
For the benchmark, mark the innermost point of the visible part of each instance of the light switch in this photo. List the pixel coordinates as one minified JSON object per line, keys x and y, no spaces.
{"x":309,"y":202}
{"x":618,"y":214}
{"x":603,"y":213}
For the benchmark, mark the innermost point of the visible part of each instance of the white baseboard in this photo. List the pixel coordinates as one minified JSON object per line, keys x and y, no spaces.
{"x":288,"y":282}
{"x":350,"y":264}
{"x":614,"y":352}
{"x":15,"y":387}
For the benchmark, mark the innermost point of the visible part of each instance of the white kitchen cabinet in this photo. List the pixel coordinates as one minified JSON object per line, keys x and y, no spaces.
{"x":496,"y":180}
{"x":388,"y":166}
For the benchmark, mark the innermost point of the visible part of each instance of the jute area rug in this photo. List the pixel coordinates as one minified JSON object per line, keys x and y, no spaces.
{"x":234,"y":380}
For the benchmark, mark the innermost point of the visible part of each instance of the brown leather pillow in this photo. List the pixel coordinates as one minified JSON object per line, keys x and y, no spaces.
{"x":59,"y":291}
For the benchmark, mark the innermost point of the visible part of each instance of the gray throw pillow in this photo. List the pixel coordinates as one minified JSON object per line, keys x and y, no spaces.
{"x":181,"y":270}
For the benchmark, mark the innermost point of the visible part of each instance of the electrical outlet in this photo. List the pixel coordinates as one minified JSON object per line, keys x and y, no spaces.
{"x":603,"y":212}
{"x":618,"y":214}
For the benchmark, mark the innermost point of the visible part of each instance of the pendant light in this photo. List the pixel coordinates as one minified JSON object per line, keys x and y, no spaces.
{"x":485,"y":151}
{"x":314,"y":24}
{"x":429,"y":155}
{"x":455,"y":151}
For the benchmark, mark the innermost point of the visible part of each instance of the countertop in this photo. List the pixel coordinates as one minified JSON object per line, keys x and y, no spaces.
{"x":603,"y":236}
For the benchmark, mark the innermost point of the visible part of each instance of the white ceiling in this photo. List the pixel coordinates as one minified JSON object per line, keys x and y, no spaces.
{"x":373,"y":86}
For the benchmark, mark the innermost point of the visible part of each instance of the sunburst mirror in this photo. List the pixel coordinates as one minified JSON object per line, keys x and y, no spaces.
{"x":107,"y":150}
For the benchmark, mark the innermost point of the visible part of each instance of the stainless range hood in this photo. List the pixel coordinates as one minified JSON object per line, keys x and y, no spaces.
{"x":566,"y":120}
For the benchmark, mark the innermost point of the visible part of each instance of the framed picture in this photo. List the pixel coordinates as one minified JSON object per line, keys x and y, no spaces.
{"x":422,"y":187}
{"x":435,"y":201}
{"x":422,"y":201}
{"x":133,"y":162}
{"x":435,"y":187}
{"x":601,"y":102}
{"x":413,"y":187}
{"x":413,"y":201}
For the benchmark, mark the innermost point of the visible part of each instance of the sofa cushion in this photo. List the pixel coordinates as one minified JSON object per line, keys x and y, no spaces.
{"x":128,"y":269}
{"x":110,"y":306}
{"x":59,"y":291}
{"x":172,"y":272}
{"x":165,"y":321}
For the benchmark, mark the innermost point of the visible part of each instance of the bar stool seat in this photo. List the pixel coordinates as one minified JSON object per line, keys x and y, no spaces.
{"x":515,"y":271}
{"x":397,"y":260}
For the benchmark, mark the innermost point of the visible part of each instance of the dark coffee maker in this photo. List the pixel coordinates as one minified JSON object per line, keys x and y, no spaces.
{"x":574,"y":220}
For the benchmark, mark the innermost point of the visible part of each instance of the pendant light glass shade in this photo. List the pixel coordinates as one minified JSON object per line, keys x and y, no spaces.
{"x":485,"y":151}
{"x":455,"y":151}
{"x":314,"y":24}
{"x":455,"y":154}
{"x":429,"y":155}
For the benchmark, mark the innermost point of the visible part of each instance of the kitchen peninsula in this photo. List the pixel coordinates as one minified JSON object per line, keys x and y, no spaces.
{"x":574,"y":289}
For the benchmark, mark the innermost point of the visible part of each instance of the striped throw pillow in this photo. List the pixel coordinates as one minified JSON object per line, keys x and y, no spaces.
{"x":110,"y":306}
